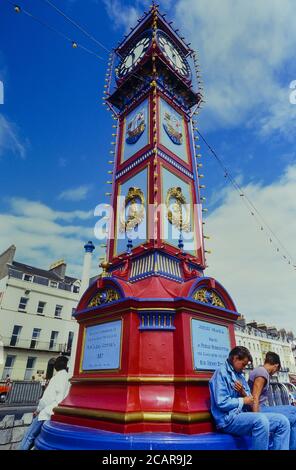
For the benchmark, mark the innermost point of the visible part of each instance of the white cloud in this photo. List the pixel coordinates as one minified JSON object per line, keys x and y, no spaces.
{"x":126,"y":16}
{"x":75,"y":194}
{"x":43,"y":235}
{"x":10,"y":140}
{"x":260,"y":281}
{"x":36,"y":209}
{"x":122,"y":15}
{"x":245,"y":48}
{"x":282,"y":117}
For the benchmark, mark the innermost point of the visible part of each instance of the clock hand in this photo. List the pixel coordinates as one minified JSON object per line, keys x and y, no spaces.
{"x":173,"y":53}
{"x":133,"y":57}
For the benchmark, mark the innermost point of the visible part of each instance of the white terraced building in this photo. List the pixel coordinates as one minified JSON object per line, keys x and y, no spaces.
{"x":36,"y":322}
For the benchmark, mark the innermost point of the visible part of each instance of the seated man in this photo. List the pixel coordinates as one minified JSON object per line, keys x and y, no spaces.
{"x":259,"y":383}
{"x":55,"y":392}
{"x":230,"y":402}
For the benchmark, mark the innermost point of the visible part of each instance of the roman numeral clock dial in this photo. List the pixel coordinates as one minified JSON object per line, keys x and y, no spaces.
{"x":133,"y":57}
{"x":173,"y":55}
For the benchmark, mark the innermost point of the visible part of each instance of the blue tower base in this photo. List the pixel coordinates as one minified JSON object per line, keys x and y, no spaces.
{"x":58,"y":436}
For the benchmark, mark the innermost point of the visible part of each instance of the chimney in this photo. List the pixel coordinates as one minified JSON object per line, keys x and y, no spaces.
{"x":253,"y":324}
{"x":6,"y":257}
{"x":59,"y":268}
{"x":262,"y":326}
{"x":241,"y":321}
{"x":271,"y":330}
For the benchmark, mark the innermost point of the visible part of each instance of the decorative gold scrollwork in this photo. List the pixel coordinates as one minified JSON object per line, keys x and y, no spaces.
{"x":104,"y":296}
{"x":135,"y":205}
{"x":208,"y":297}
{"x":178,"y":212}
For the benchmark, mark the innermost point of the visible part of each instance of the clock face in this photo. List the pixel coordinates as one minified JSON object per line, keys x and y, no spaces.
{"x":133,"y":57}
{"x":173,"y":55}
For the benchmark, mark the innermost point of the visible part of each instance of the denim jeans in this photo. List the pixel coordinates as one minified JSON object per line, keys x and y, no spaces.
{"x":32,"y":432}
{"x":290,"y":412}
{"x":259,"y":426}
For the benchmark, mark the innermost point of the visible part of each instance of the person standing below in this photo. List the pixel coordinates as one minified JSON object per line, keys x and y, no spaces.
{"x":259,"y":381}
{"x":231,"y":406}
{"x":43,"y":383}
{"x":55,"y":392}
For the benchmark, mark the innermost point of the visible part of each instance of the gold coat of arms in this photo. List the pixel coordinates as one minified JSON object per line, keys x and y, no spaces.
{"x":178,"y":212}
{"x":132,"y":211}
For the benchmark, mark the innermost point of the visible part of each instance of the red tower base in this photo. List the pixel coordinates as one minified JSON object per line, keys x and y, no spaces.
{"x":142,"y":356}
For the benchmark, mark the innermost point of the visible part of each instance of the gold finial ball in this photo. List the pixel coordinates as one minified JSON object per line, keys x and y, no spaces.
{"x":104,"y":264}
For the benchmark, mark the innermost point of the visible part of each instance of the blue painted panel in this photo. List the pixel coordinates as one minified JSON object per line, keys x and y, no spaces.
{"x":102,"y":346}
{"x":210,"y":344}
{"x":138,"y":235}
{"x":171,"y":233}
{"x":136,"y":131}
{"x":172,"y":131}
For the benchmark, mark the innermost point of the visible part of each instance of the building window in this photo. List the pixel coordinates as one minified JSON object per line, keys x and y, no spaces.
{"x":73,"y":312}
{"x":9,"y":363}
{"x":53,"y":284}
{"x":41,"y":280}
{"x":15,"y":335}
{"x":15,"y":274}
{"x":31,"y":361}
{"x":53,"y":339}
{"x":40,"y":308}
{"x":35,"y":338}
{"x":23,"y":303}
{"x":76,"y":289}
{"x":58,"y":311}
{"x":70,"y":341}
{"x":28,"y":277}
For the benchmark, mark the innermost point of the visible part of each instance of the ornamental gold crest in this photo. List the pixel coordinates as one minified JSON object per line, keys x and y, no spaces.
{"x":132,"y":211}
{"x":178,"y":212}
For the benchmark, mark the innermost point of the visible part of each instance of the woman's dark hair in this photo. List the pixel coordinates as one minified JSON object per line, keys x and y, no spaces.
{"x":273,"y":359}
{"x":241,"y":352}
{"x":61,"y":363}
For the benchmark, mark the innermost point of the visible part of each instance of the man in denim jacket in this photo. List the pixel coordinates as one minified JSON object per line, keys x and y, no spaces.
{"x":231,"y":406}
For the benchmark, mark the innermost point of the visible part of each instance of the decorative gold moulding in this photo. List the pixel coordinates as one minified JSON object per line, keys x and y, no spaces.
{"x":137,"y":416}
{"x":200,"y":295}
{"x":136,"y":379}
{"x":110,"y":296}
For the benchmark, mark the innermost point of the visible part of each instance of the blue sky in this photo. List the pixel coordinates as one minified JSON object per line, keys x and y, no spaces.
{"x":55,"y":134}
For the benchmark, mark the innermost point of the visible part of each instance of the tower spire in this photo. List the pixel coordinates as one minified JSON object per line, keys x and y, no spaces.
{"x":155,"y":169}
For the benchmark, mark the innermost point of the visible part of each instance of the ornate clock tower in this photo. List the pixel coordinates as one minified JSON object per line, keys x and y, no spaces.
{"x":153,"y":327}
